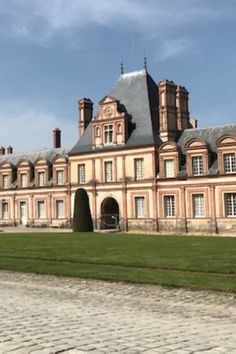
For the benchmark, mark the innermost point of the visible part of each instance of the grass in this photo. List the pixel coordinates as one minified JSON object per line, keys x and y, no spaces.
{"x":180,"y":261}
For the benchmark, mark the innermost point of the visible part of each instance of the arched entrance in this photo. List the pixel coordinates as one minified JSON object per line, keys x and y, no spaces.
{"x":109,"y":214}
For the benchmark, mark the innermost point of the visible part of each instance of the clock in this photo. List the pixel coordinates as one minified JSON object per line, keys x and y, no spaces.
{"x":108,"y":111}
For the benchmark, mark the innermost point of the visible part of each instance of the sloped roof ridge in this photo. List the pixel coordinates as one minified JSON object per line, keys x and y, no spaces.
{"x":212,"y":127}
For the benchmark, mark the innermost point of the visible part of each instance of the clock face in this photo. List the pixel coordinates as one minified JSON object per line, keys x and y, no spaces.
{"x":108,"y":111}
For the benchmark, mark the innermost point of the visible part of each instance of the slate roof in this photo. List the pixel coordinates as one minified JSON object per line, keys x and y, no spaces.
{"x":48,"y":154}
{"x":139,"y":94}
{"x":209,"y":135}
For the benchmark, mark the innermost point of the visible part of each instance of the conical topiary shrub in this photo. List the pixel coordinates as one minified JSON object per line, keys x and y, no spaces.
{"x":82,"y":220}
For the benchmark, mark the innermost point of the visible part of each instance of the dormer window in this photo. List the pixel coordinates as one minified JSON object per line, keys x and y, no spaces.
{"x":229,"y":163}
{"x":23,"y":180}
{"x":5,"y":181}
{"x":197,"y":165}
{"x":41,"y":177}
{"x":108,"y":134}
{"x":169,"y":168}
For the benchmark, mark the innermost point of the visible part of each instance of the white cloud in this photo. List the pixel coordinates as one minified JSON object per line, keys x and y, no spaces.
{"x":32,"y":130}
{"x":42,"y":20}
{"x":174,"y":47}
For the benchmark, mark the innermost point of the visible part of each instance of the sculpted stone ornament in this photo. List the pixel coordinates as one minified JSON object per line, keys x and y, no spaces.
{"x":108,"y":111}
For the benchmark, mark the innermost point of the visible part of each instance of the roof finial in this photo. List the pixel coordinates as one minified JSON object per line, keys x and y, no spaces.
{"x":121,"y":66}
{"x":145,"y":61}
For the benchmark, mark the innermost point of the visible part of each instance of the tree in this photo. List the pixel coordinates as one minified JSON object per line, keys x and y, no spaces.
{"x":82,"y":220}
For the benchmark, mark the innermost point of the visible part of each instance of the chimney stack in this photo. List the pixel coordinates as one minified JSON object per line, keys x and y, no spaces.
{"x":10,"y":150}
{"x":56,"y":138}
{"x":85,"y":114}
{"x":2,"y":150}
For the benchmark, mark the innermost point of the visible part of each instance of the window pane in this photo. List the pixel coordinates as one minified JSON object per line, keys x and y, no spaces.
{"x":60,"y":177}
{"x":108,"y":171}
{"x":139,"y":207}
{"x":108,"y":134}
{"x":41,"y":209}
{"x":169,"y":168}
{"x":59,"y":209}
{"x":41,"y":177}
{"x":230,"y":204}
{"x":169,"y":205}
{"x":23,"y":177}
{"x":81,"y":172}
{"x":5,"y":214}
{"x":5,"y":181}
{"x":198,"y":205}
{"x":229,"y":163}
{"x":139,"y":169}
{"x":197,"y":165}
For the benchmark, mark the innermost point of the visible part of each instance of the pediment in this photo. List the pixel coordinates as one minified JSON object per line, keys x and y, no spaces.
{"x":196,"y":143}
{"x":109,"y":107}
{"x":226,"y":139}
{"x":168,"y":146}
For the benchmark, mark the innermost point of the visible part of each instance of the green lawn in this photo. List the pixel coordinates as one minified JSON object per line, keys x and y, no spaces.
{"x":195,"y":262}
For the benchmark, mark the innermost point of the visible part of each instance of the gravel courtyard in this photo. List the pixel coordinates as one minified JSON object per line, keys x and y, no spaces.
{"x":47,"y":314}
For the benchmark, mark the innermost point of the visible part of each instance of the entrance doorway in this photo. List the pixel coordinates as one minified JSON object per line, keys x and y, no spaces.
{"x":109,"y":214}
{"x":23,"y":213}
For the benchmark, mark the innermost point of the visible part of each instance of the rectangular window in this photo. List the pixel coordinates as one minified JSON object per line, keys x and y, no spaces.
{"x":108,"y":134}
{"x":59,"y":209}
{"x":139,"y":169}
{"x":139,"y":207}
{"x":5,"y":181}
{"x":230,"y":204}
{"x":108,"y":171}
{"x":169,"y":168}
{"x":229,"y":163}
{"x":60,"y":177}
{"x":23,"y":180}
{"x":198,"y":205}
{"x":41,"y":209}
{"x":81,"y":173}
{"x":5,"y":210}
{"x":169,"y":205}
{"x":41,"y":179}
{"x":197,"y":165}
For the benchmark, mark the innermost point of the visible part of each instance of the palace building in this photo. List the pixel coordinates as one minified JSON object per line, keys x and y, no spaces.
{"x":141,"y":159}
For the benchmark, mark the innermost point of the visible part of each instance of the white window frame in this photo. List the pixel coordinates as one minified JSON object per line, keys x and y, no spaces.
{"x":229,"y":163}
{"x":41,"y":209}
{"x":41,"y":178}
{"x":230,"y":205}
{"x":108,"y":134}
{"x":5,"y":181}
{"x":169,"y":206}
{"x":139,"y":203}
{"x":198,"y":205}
{"x":169,"y":168}
{"x":5,"y":213}
{"x":60,"y":177}
{"x":139,"y":168}
{"x":59,"y":209}
{"x":197,"y":165}
{"x":108,"y":171}
{"x":81,"y":173}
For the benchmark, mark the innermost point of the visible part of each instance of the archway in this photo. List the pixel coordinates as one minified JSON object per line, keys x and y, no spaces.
{"x":109,"y":214}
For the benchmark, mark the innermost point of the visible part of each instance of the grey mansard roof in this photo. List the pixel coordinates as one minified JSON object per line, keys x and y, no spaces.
{"x":48,"y":154}
{"x":209,"y":135}
{"x":139,"y":94}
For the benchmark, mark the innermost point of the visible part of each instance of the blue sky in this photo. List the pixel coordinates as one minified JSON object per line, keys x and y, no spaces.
{"x":53,"y":52}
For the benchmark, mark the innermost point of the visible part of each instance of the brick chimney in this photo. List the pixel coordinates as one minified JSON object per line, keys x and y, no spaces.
{"x":85,"y":114}
{"x":2,"y":150}
{"x":56,"y":138}
{"x":10,"y":150}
